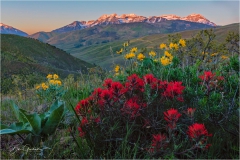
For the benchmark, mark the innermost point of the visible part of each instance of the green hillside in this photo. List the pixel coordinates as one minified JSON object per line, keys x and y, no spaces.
{"x":101,"y":53}
{"x":32,"y":60}
{"x":42,"y":36}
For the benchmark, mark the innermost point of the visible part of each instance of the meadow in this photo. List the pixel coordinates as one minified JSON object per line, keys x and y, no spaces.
{"x":179,"y":100}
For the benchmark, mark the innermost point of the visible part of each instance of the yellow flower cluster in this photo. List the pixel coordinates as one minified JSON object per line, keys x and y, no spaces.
{"x":44,"y":86}
{"x":119,"y":52}
{"x":182,"y":42}
{"x":166,"y":59}
{"x":53,"y":79}
{"x":129,"y":55}
{"x":152,"y":54}
{"x":133,"y":50}
{"x":117,"y":68}
{"x":224,"y":57}
{"x":140,"y":56}
{"x":163,"y":45}
{"x":55,"y":82}
{"x":173,"y":45}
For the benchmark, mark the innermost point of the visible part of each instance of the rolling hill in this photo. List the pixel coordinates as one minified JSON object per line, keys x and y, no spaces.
{"x":33,"y":60}
{"x":100,"y":54}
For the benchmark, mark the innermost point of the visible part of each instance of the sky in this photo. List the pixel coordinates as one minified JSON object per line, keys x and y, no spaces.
{"x":34,"y":16}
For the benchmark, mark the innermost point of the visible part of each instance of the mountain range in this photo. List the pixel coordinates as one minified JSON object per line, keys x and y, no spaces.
{"x":131,"y":18}
{"x":113,"y":19}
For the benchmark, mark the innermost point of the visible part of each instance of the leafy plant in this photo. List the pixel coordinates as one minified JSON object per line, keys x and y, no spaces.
{"x":37,"y":126}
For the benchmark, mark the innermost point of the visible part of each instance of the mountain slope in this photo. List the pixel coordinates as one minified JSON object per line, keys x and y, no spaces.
{"x":101,"y":53}
{"x":5,"y":29}
{"x":27,"y":57}
{"x":73,"y":41}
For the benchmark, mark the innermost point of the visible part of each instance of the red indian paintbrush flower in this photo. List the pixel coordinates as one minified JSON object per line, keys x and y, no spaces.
{"x":134,"y":83}
{"x":197,"y":130}
{"x":190,"y":112}
{"x":84,"y":121}
{"x":158,"y":140}
{"x":81,"y":133}
{"x":108,"y":83}
{"x":106,"y":95}
{"x":82,"y":105}
{"x":171,"y":116}
{"x":174,"y":89}
{"x":149,"y":79}
{"x":117,"y":89}
{"x":207,"y":76}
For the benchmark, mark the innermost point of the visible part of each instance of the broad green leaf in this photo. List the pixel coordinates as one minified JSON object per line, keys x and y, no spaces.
{"x":53,"y":120}
{"x":11,"y":131}
{"x":18,"y":114}
{"x":55,"y":105}
{"x":33,"y":119}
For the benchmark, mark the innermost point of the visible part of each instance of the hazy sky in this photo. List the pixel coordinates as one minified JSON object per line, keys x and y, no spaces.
{"x":35,"y":16}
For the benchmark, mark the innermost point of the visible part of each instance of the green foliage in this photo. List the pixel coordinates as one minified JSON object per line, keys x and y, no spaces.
{"x":37,"y":126}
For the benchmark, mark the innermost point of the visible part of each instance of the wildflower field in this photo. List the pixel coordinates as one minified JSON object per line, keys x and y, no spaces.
{"x":179,"y":100}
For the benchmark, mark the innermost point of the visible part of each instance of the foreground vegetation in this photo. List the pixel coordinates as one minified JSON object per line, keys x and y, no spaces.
{"x":179,"y":100}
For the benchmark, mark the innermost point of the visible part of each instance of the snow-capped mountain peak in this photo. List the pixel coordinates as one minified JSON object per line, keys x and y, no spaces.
{"x":6,"y":29}
{"x":170,"y":17}
{"x":198,"y":18}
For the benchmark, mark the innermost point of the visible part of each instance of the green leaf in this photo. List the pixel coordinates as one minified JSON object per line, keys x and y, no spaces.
{"x":53,"y":120}
{"x":33,"y":119}
{"x":17,"y":113}
{"x":11,"y":131}
{"x":15,"y":128}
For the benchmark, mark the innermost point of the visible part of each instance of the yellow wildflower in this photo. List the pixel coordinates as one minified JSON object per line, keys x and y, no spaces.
{"x":140,"y":56}
{"x":165,"y":61}
{"x":125,"y":44}
{"x":44,"y":86}
{"x":182,"y":42}
{"x":52,"y":81}
{"x":58,"y":82}
{"x":214,"y":54}
{"x":204,"y":53}
{"x":224,"y":57}
{"x":129,"y":55}
{"x":171,"y":45}
{"x":117,"y":68}
{"x":55,"y":76}
{"x":166,"y":53}
{"x":176,"y":46}
{"x":49,"y":76}
{"x":37,"y":87}
{"x":152,"y":54}
{"x":119,"y":52}
{"x":133,"y":50}
{"x":155,"y":60}
{"x":163,"y":45}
